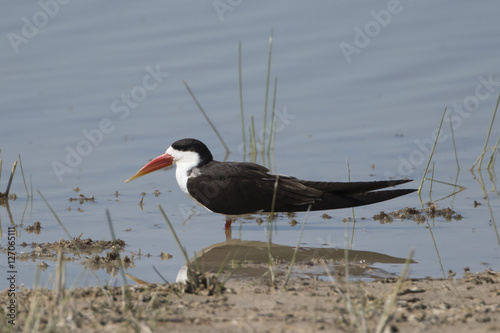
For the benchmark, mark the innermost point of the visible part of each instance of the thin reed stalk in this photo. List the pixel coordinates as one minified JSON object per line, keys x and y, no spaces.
{"x":206,"y":117}
{"x":352,"y":208}
{"x":31,"y":198}
{"x":493,"y":155}
{"x":446,"y":183}
{"x":489,"y":133}
{"x":454,"y":146}
{"x":22,"y":174}
{"x":241,"y":102}
{"x":160,"y":275}
{"x":432,"y":182}
{"x":253,"y":140}
{"x":122,"y":270}
{"x":12,"y":172}
{"x":60,"y":281}
{"x":32,"y":321}
{"x":269,"y":229}
{"x":183,"y":250}
{"x":273,"y":126}
{"x":292,"y":262}
{"x":390,"y":303}
{"x":267,"y":91}
{"x":432,"y":152}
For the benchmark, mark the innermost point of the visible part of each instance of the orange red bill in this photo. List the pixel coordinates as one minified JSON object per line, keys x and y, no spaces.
{"x":158,"y":163}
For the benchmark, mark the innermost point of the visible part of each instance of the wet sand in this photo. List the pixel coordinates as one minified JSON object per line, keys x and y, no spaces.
{"x":468,"y":304}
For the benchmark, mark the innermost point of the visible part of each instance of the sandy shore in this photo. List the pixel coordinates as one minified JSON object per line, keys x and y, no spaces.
{"x":468,"y":304}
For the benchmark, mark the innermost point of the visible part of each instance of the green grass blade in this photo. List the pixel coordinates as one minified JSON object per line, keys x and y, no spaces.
{"x":489,"y":133}
{"x":391,"y":300}
{"x":493,"y":155}
{"x":432,"y":152}
{"x":22,"y":174}
{"x":454,"y":146}
{"x":183,"y":250}
{"x":273,"y":127}
{"x":352,"y":208}
{"x":292,"y":262}
{"x":206,"y":117}
{"x":269,"y":229}
{"x":267,"y":91}
{"x":432,"y":182}
{"x":253,"y":141}
{"x":122,"y":270}
{"x":241,"y":103}
{"x":160,"y":275}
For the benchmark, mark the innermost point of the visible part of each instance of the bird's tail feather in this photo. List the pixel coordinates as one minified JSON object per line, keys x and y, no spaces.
{"x":335,"y":201}
{"x":352,"y":187}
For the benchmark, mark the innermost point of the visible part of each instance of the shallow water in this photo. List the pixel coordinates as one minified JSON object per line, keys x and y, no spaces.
{"x":96,"y":91}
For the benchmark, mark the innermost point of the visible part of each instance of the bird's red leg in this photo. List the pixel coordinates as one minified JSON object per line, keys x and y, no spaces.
{"x":227,"y":228}
{"x":228,"y":223}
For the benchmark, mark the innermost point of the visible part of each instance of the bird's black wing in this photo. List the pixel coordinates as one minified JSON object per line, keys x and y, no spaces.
{"x":242,"y":188}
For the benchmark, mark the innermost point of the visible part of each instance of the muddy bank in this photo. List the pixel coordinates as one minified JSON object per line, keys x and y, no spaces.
{"x":471,"y":303}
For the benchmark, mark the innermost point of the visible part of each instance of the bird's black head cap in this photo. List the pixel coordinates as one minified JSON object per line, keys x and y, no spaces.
{"x":195,"y":146}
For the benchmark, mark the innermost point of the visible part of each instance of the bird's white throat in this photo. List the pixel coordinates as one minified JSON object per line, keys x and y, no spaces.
{"x":187,"y":166}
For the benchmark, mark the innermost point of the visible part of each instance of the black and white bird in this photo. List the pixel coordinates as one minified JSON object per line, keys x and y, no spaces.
{"x":233,"y":188}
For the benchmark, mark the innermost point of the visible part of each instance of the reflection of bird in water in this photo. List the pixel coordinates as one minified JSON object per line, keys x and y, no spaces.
{"x":250,"y":259}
